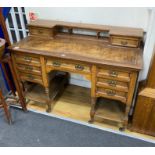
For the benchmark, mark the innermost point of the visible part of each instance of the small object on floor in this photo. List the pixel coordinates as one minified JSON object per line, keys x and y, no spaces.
{"x":4,"y":105}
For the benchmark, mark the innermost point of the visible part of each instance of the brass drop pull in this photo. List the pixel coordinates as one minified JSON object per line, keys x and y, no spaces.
{"x":56,"y":64}
{"x":30,"y":77}
{"x":79,"y":67}
{"x":40,"y":31}
{"x":27,"y":59}
{"x":124,"y":43}
{"x":112,"y":83}
{"x":29,"y":68}
{"x":113,"y":73}
{"x":110,"y":92}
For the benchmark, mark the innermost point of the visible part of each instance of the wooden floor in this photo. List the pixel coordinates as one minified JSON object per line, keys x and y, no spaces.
{"x":75,"y":104}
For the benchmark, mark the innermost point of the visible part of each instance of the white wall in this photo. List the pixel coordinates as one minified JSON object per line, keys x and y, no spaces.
{"x":134,"y":17}
{"x":131,"y":17}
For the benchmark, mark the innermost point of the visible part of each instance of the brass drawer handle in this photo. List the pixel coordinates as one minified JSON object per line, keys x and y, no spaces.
{"x":29,"y":68}
{"x":30,"y":77}
{"x":124,"y":43}
{"x":28,"y":59}
{"x":79,"y":67}
{"x":110,"y":92}
{"x":112,"y":83}
{"x":113,"y":73}
{"x":56,"y":64}
{"x":40,"y":31}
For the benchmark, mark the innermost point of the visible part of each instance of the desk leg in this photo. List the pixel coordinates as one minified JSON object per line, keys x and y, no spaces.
{"x":48,"y":100}
{"x":126,"y":115}
{"x":92,"y":111}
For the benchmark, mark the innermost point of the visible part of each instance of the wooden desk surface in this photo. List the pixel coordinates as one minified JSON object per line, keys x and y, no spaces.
{"x":83,"y":50}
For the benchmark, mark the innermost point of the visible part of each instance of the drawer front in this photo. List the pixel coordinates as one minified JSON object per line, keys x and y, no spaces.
{"x":68,"y":66}
{"x":40,"y":31}
{"x":29,"y":69}
{"x":112,"y":84}
{"x":113,"y":74}
{"x":123,"y":41}
{"x":27,"y":59}
{"x":112,"y":94}
{"x":30,"y":77}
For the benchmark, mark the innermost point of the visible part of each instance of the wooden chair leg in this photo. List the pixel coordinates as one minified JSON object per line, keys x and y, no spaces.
{"x":7,"y":79}
{"x":5,"y":107}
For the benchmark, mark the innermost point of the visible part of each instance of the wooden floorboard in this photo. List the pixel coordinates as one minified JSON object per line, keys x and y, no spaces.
{"x":75,"y":104}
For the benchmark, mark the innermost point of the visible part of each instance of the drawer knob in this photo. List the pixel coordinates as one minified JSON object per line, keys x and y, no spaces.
{"x":56,"y":64}
{"x":27,"y":59}
{"x":29,"y":68}
{"x":124,"y":43}
{"x":110,"y":92}
{"x":113,"y":73}
{"x":30,"y":77}
{"x":40,"y":31}
{"x":79,"y":67}
{"x":112,"y":83}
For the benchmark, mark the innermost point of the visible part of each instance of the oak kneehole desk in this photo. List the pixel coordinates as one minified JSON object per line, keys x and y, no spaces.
{"x":110,"y":57}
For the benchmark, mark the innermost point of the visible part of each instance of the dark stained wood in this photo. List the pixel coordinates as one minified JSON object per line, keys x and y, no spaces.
{"x":2,"y":47}
{"x":3,"y":26}
{"x":4,"y":105}
{"x":55,"y":46}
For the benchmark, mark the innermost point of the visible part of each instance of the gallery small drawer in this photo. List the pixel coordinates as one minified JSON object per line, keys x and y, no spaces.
{"x":125,"y":41}
{"x":41,"y":31}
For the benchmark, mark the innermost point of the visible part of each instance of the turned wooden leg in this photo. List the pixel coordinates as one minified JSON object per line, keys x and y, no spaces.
{"x":8,"y":79}
{"x":5,"y":107}
{"x":92,"y":111}
{"x":48,"y":100}
{"x":126,"y":116}
{"x":7,"y":114}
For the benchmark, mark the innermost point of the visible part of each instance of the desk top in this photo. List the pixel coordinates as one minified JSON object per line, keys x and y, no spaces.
{"x":83,"y":50}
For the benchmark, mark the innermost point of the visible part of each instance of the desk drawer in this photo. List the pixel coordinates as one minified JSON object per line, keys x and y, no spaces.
{"x":112,"y":84}
{"x":68,"y":66}
{"x":27,"y":59}
{"x":113,"y":74}
{"x":30,"y":77}
{"x":111,"y":94}
{"x":124,"y":41}
{"x":46,"y":32}
{"x":29,"y":69}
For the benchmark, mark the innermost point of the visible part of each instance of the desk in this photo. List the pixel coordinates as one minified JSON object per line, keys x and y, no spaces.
{"x":110,"y":57}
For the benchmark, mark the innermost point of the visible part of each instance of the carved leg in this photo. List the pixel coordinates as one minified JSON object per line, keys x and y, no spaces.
{"x":92,"y":111}
{"x":48,"y":102}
